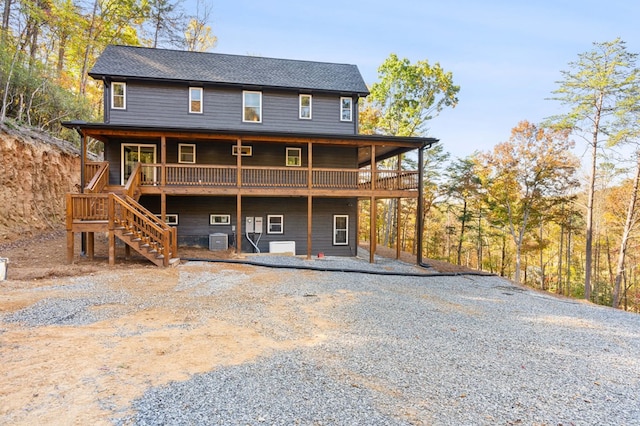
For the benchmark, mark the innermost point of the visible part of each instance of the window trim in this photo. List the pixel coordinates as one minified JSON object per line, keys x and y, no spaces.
{"x":342,"y":110}
{"x":244,"y":106}
{"x":269,"y":223}
{"x":123,"y":96}
{"x":182,"y":145}
{"x":201,"y":90}
{"x":225,"y":219}
{"x":246,"y":150}
{"x":300,"y":98}
{"x":171,"y":218}
{"x":299,"y":156}
{"x":335,"y":229}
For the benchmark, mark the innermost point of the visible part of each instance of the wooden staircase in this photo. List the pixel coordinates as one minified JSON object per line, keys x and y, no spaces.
{"x":101,"y":208}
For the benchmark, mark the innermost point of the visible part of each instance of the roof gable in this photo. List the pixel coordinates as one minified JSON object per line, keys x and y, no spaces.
{"x":216,"y":68}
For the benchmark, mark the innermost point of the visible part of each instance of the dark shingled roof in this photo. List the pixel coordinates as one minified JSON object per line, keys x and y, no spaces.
{"x":215,"y":68}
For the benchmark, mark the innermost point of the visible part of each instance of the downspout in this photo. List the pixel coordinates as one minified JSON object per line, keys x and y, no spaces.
{"x":105,"y":101}
{"x":420,"y":230}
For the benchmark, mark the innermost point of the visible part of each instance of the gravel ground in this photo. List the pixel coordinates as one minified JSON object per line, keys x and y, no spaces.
{"x":403,"y":350}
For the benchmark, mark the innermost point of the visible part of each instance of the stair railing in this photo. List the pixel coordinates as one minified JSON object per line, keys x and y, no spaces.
{"x":100,"y":177}
{"x":128,"y":213}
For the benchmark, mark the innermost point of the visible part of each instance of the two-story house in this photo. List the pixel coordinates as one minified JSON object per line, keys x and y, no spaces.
{"x":215,"y":150}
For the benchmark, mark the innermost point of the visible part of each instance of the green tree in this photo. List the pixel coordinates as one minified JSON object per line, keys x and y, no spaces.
{"x":407,"y":96}
{"x":524,"y":176}
{"x":463,"y":186}
{"x":596,"y":89}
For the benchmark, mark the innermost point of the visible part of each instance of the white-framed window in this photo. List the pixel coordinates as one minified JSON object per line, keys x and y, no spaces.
{"x":305,"y":107}
{"x":251,"y":107}
{"x":171,"y":219}
{"x":294,"y":157}
{"x":340,"y":229}
{"x":245,"y":150}
{"x":196,"y":97}
{"x":275,"y":224}
{"x":219,"y":219}
{"x":118,"y":95}
{"x":346,"y":109}
{"x":186,"y":153}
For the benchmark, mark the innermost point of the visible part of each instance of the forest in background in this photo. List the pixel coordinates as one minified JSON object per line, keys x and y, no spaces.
{"x":527,"y":209}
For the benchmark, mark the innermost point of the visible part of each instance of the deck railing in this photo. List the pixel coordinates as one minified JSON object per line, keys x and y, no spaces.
{"x":278,"y":177}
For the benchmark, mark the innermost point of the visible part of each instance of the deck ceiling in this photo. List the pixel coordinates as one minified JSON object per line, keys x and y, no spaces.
{"x":385,"y":146}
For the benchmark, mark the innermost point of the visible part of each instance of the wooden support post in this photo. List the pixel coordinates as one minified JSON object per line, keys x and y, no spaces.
{"x":398,"y":227}
{"x":373,"y":210}
{"x":163,"y":162}
{"x":419,"y":219}
{"x":239,"y":224}
{"x":69,"y":223}
{"x":111,"y":208}
{"x":239,"y":164}
{"x":90,"y":244}
{"x":310,"y":165}
{"x":163,"y":206}
{"x":398,"y":205}
{"x":372,"y":230}
{"x":309,"y":226}
{"x":70,"y":238}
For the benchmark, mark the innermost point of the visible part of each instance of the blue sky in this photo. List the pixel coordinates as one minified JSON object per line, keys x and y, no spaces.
{"x":506,"y":56}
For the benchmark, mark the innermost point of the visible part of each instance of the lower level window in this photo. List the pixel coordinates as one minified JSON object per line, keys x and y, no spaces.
{"x":340,"y":230}
{"x":275,"y":224}
{"x":171,"y":219}
{"x":219,"y":219}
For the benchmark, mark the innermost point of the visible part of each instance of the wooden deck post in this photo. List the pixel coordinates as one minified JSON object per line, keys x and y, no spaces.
{"x":309,"y":226}
{"x":373,"y":210}
{"x":398,"y":227}
{"x":111,"y":208}
{"x":372,"y":230}
{"x":90,"y":244}
{"x":239,"y":224}
{"x":70,"y":236}
{"x":399,"y":205}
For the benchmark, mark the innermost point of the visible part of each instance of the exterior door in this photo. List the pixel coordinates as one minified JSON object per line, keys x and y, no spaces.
{"x":139,"y":153}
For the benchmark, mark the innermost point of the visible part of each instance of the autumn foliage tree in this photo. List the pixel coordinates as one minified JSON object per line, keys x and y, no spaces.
{"x":525,"y":176}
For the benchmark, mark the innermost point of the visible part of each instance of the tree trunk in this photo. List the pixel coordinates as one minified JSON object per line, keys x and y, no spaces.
{"x":591,"y":195}
{"x":625,"y":236}
{"x":462,"y":227}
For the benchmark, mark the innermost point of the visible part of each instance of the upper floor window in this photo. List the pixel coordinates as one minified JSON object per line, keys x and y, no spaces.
{"x":186,"y":153}
{"x":252,"y":107}
{"x":305,"y":107}
{"x":118,"y":95}
{"x":294,"y":157}
{"x":346,"y":105}
{"x":195,"y":100}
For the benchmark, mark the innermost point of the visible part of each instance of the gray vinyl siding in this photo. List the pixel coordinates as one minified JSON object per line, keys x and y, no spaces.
{"x":168,"y":106}
{"x":194,"y":229}
{"x":219,"y":153}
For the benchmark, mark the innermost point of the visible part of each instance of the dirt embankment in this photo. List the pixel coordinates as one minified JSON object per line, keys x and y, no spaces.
{"x":36,"y":171}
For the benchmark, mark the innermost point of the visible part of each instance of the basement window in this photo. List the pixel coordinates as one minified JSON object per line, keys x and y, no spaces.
{"x":275,"y":224}
{"x":171,"y":219}
{"x":219,"y":219}
{"x":340,"y":230}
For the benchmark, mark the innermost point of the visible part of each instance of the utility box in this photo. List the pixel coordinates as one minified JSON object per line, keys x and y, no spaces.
{"x":218,"y":241}
{"x":282,"y":247}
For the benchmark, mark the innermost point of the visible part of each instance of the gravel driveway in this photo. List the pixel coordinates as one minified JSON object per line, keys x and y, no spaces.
{"x":289,"y":347}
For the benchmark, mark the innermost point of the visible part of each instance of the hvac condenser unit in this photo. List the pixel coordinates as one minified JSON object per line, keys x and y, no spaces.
{"x":218,"y":241}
